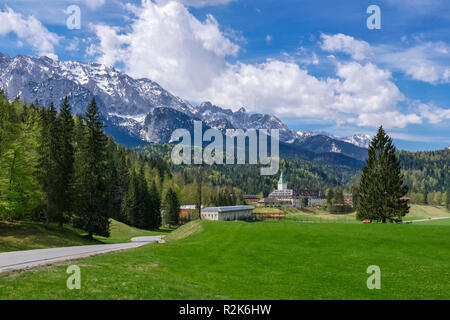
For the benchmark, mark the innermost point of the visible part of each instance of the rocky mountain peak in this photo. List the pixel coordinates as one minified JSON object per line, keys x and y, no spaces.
{"x":134,"y":109}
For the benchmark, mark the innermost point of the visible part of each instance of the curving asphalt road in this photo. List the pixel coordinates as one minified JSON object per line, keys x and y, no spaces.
{"x":19,"y":260}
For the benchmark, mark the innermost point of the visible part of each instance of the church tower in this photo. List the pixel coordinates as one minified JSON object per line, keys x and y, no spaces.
{"x":282,"y":185}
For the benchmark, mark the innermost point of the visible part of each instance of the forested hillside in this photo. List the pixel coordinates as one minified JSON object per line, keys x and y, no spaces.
{"x":55,"y":167}
{"x":424,"y":172}
{"x":300,"y":174}
{"x":427,"y":175}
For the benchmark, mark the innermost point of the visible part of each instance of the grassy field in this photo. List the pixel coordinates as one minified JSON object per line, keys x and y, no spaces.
{"x":259,"y":260}
{"x":267,"y":209}
{"x":121,"y":232}
{"x":32,"y":235}
{"x":443,"y":222}
{"x":422,"y":212}
{"x":319,"y":215}
{"x":27,"y":235}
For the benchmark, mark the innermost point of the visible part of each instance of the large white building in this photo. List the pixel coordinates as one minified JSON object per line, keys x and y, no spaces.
{"x":228,"y":213}
{"x":283,"y":195}
{"x":295,"y":198}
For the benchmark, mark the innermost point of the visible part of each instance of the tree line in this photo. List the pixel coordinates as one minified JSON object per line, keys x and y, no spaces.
{"x":335,"y":200}
{"x":301,"y":174}
{"x":426,"y":171}
{"x":431,"y":198}
{"x":62,"y":168}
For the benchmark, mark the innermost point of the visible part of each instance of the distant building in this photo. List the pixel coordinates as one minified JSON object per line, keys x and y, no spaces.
{"x":187,"y":212}
{"x":294,"y":198}
{"x":250,"y":199}
{"x":287,"y":197}
{"x":315,"y":197}
{"x":227,"y":213}
{"x":283,"y":195}
{"x":267,"y":201}
{"x":348,"y":199}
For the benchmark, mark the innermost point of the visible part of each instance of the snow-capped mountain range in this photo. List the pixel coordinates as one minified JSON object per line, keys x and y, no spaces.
{"x":132,"y":107}
{"x":361,"y":140}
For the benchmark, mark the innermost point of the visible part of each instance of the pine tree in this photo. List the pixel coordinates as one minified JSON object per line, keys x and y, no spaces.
{"x":118,"y":177}
{"x":65,"y":163}
{"x":381,"y":187}
{"x":130,"y":208}
{"x":199,"y":182}
{"x":48,"y":151}
{"x":330,"y":198}
{"x":92,"y":189}
{"x":171,"y":208}
{"x":155,"y":206}
{"x":144,"y":201}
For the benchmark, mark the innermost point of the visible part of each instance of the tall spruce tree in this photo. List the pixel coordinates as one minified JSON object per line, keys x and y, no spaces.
{"x":130,"y":205}
{"x":155,"y":206}
{"x":144,"y":201}
{"x":381,"y":189}
{"x":121,"y":184}
{"x":330,"y":198}
{"x":118,"y":176}
{"x":171,"y":208}
{"x":47,"y":163}
{"x":65,"y":163}
{"x":199,"y":180}
{"x":92,"y":189}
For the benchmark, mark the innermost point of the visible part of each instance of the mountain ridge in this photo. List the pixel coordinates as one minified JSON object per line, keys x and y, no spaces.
{"x":126,"y":103}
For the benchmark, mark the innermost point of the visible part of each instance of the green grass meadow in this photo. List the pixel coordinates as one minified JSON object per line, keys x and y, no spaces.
{"x":259,"y":260}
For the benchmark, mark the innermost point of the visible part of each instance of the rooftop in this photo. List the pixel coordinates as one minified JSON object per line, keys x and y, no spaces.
{"x":296,"y":193}
{"x":282,"y":178}
{"x":286,"y":192}
{"x":227,"y":208}
{"x":188,"y":207}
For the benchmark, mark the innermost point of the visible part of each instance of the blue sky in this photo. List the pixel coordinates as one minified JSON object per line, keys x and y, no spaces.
{"x":314,"y":64}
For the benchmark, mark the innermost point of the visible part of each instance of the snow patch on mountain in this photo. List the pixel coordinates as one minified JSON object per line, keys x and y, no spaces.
{"x":361,"y":140}
{"x":139,"y":118}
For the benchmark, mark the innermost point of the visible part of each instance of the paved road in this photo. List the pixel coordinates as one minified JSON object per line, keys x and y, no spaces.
{"x":19,"y":260}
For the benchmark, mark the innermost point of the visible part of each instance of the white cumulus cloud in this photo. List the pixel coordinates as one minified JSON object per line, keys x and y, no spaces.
{"x":30,"y":30}
{"x":342,"y":43}
{"x":167,"y":44}
{"x":199,"y":3}
{"x":93,"y":4}
{"x":433,"y":114}
{"x":189,"y":57}
{"x":424,"y":61}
